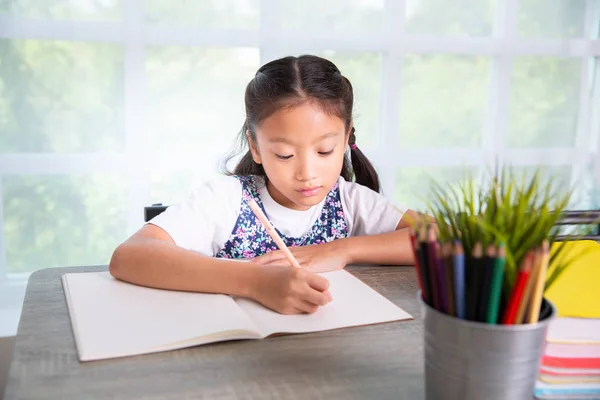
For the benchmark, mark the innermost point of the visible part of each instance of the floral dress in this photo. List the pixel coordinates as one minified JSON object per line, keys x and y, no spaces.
{"x":250,"y":239}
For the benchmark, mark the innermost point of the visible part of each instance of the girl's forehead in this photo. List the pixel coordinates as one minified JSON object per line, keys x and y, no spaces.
{"x":304,"y":119}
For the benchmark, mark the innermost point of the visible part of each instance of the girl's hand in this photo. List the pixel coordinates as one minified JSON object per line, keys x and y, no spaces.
{"x":315,"y":258}
{"x":290,"y":290}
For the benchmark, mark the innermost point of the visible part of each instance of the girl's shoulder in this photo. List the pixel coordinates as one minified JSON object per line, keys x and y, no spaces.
{"x":226,"y":189}
{"x":368,"y":212}
{"x":218,"y":186}
{"x":356,"y":190}
{"x":217,"y":193}
{"x":205,"y":216}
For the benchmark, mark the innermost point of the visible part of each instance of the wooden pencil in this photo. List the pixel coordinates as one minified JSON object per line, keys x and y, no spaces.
{"x":449,"y":275}
{"x":432,"y":258}
{"x":458,"y":258}
{"x":273,"y":233}
{"x":473,"y":272}
{"x":424,"y":261}
{"x":487,"y":269}
{"x":496,"y":286}
{"x":416,"y":255}
{"x":538,"y":294}
{"x":535,"y":260}
{"x":441,"y":278}
{"x":517,"y":291}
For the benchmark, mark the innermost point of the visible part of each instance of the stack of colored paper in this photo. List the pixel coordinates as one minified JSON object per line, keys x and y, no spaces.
{"x":570,"y":368}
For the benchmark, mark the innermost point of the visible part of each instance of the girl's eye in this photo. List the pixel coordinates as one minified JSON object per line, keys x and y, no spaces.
{"x":283,"y":157}
{"x":326,"y":153}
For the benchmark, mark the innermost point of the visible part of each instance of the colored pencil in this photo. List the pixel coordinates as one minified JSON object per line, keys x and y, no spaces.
{"x":473,"y":272}
{"x":459,"y":279}
{"x":416,"y":255}
{"x":441,"y":278}
{"x":449,"y":277}
{"x":536,"y":259}
{"x":487,"y":269}
{"x":538,"y":294}
{"x":496,"y":286}
{"x":517,"y":291}
{"x":432,"y":258}
{"x":424,"y":261}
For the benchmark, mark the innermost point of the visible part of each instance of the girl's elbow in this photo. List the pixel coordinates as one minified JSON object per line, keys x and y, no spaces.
{"x":117,"y":265}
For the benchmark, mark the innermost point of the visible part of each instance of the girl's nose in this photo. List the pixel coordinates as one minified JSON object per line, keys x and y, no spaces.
{"x":305,"y":170}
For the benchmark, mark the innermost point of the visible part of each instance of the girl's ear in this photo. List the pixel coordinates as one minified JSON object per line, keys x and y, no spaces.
{"x":253,"y":148}
{"x":347,"y":138}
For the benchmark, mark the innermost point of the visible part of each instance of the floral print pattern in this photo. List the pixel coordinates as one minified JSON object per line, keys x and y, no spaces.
{"x":250,"y":239}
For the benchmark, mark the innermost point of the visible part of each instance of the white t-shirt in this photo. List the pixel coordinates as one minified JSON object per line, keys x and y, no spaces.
{"x":204,"y":221}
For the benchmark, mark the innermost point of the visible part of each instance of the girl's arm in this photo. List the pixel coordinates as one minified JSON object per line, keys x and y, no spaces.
{"x":151,"y":258}
{"x":393,"y":248}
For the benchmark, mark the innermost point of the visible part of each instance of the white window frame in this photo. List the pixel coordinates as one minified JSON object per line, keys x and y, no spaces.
{"x":392,"y":42}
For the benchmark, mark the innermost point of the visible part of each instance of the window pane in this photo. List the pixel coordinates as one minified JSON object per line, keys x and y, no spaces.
{"x":60,"y":97}
{"x":587,"y":195}
{"x":363,"y":70}
{"x":169,"y":188}
{"x":195,"y":97}
{"x":458,"y":17}
{"x":544,"y":102}
{"x":102,"y":10}
{"x":555,"y":19}
{"x":57,"y":221}
{"x":221,"y":13}
{"x":413,"y":184}
{"x":559,"y":177}
{"x":332,"y":15}
{"x":443,"y":100}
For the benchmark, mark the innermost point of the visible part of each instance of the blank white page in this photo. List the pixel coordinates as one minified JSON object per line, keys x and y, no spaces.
{"x":354,"y":303}
{"x":574,"y":330}
{"x":111,"y":318}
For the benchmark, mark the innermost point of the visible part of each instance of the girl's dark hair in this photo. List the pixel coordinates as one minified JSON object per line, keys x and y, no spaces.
{"x":292,"y":81}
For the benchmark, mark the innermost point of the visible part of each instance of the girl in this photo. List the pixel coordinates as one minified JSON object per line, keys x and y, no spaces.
{"x":299,"y":131}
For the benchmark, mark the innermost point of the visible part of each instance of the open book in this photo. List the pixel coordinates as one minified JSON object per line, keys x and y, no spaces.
{"x":112,"y":319}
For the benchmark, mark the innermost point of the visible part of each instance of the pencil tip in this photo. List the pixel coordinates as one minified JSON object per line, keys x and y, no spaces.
{"x":432,"y":235}
{"x":545,"y":246}
{"x":501,"y":252}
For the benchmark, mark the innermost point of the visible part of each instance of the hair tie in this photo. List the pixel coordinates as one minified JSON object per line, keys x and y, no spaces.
{"x":352,"y":139}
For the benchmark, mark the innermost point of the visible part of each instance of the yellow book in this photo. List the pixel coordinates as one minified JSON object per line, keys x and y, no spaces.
{"x":576,"y":293}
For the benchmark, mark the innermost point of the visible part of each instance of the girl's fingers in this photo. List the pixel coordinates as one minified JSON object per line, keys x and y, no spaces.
{"x":307,"y":307}
{"x":316,"y":297}
{"x":317,"y":282}
{"x":281,"y":263}
{"x":285,"y":261}
{"x":269,"y":257}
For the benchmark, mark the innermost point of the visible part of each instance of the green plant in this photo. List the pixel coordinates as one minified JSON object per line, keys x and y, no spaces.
{"x":515,"y":209}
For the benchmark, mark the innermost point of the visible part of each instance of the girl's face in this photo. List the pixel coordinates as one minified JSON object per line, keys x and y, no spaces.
{"x":302,"y":151}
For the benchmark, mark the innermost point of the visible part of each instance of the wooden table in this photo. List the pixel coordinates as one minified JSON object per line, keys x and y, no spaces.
{"x":371,"y":362}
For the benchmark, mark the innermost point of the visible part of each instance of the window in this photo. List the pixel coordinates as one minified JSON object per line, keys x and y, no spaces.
{"x":110,"y":105}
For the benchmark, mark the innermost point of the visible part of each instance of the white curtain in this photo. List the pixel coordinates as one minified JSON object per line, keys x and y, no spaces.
{"x":110,"y":105}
